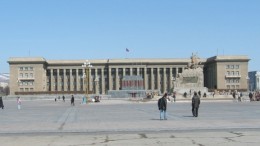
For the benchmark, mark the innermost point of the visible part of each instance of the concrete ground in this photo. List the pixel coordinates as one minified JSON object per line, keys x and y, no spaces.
{"x":121,"y":122}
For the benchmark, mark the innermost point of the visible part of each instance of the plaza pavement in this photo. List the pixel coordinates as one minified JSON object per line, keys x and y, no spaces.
{"x":123,"y":122}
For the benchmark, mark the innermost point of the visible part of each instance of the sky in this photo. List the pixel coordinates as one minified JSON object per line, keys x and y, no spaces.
{"x":103,"y":29}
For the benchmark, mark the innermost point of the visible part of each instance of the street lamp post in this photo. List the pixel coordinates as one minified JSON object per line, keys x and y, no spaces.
{"x":86,"y":65}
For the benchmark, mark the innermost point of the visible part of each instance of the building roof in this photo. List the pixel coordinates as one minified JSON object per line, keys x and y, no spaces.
{"x":26,"y":59}
{"x":228,"y":58}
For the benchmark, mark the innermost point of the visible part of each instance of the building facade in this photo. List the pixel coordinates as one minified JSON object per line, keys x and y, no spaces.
{"x":41,"y":76}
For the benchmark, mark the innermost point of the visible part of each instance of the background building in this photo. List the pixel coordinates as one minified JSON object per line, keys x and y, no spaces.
{"x":40,"y":76}
{"x":254,"y":81}
{"x":4,"y":83}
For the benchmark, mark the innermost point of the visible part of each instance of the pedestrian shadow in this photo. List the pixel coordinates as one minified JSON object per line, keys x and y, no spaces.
{"x":155,"y":119}
{"x":187,"y":116}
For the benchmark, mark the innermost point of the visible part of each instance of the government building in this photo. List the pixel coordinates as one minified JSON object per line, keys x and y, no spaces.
{"x":40,"y":76}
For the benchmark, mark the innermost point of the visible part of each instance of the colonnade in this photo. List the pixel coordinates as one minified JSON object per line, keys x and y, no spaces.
{"x":109,"y":78}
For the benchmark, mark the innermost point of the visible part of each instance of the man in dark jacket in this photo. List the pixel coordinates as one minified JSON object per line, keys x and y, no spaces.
{"x":72,"y":100}
{"x":195,"y":104}
{"x":162,"y":105}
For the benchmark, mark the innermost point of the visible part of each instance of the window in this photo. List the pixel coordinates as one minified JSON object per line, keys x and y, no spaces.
{"x":31,"y":89}
{"x":227,"y":81}
{"x":20,"y":83}
{"x":25,"y":83}
{"x":227,"y":66}
{"x":21,"y":89}
{"x":26,"y":89}
{"x":26,"y":75}
{"x":237,"y":80}
{"x":232,"y":66}
{"x":31,"y":75}
{"x":228,"y":73}
{"x":237,"y":86}
{"x":21,"y":68}
{"x":237,"y":66}
{"x":30,"y":68}
{"x":237,"y":73}
{"x":26,"y":68}
{"x":228,"y":86}
{"x":21,"y":75}
{"x":233,"y":73}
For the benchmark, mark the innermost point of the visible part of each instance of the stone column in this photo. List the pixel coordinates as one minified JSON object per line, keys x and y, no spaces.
{"x":152,"y":79}
{"x":177,"y":71}
{"x":58,"y":80}
{"x":171,"y":77}
{"x":96,"y":82}
{"x":117,"y":79}
{"x":64,"y":80}
{"x":123,"y":72}
{"x":131,"y":71}
{"x":138,"y":71}
{"x":103,"y":81}
{"x":71,"y":81}
{"x":164,"y":80}
{"x":158,"y":80}
{"x":77,"y":80}
{"x":91,"y":79}
{"x":145,"y":79}
{"x":52,"y":81}
{"x":84,"y":79}
{"x":110,"y":79}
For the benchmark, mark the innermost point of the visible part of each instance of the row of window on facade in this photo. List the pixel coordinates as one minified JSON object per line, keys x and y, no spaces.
{"x":233,"y":87}
{"x":232,"y":80}
{"x":26,"y":83}
{"x":232,"y":73}
{"x":26,"y":75}
{"x":26,"y":89}
{"x":26,"y":68}
{"x":232,"y":66}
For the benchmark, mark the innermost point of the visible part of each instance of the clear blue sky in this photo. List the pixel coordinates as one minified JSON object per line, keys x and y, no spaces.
{"x":102,"y":29}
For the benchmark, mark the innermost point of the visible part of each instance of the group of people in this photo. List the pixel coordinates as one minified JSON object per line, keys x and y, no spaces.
{"x":255,"y":96}
{"x":19,"y":103}
{"x":162,"y":105}
{"x":63,"y":99}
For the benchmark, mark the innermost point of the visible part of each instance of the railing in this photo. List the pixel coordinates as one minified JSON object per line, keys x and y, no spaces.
{"x":233,"y":76}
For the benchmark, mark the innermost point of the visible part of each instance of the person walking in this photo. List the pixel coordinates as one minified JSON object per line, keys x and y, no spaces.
{"x":195,"y":104}
{"x":1,"y":103}
{"x":72,"y":100}
{"x":63,"y":98}
{"x":250,"y":96}
{"x":19,"y":102}
{"x":162,"y":105}
{"x":174,"y":96}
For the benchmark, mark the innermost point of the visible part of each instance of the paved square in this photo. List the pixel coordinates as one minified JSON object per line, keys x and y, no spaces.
{"x":116,"y":122}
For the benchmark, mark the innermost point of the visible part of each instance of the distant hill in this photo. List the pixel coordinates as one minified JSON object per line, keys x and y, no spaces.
{"x":4,"y":77}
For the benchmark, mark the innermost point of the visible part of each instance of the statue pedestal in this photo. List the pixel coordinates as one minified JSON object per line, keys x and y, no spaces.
{"x":192,"y":90}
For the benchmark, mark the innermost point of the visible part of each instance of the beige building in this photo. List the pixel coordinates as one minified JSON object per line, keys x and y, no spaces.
{"x":41,"y":76}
